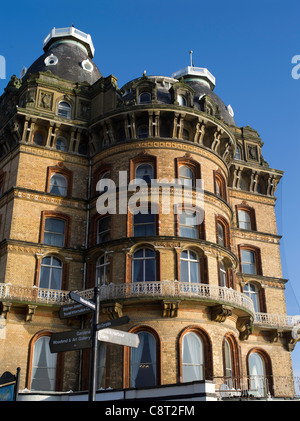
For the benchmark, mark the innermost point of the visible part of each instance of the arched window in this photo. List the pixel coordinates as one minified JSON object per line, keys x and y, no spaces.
{"x":246,"y":217}
{"x":144,"y":266}
{"x":189,"y":267}
{"x":186,"y":176}
{"x":221,"y":234}
{"x":228,"y":365}
{"x":238,"y":153}
{"x":231,"y":362}
{"x":192,"y":357}
{"x":102,"y":270}
{"x":257,"y":372}
{"x":144,"y":172}
{"x":50,"y":273}
{"x":61,"y":144}
{"x":64,"y":109}
{"x":222,"y":231}
{"x":181,"y":100}
{"x":252,"y":292}
{"x":244,"y":220}
{"x":58,"y":184}
{"x":220,"y":187}
{"x":143,"y":362}
{"x":54,"y":232}
{"x":145,"y":98}
{"x":43,"y":371}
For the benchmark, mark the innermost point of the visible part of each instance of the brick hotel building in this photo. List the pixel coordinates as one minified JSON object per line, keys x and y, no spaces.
{"x":207,"y":301}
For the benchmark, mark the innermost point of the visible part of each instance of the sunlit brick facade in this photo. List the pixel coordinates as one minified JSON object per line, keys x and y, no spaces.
{"x":207,"y":301}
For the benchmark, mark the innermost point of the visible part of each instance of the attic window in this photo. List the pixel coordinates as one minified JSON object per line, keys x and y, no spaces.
{"x":51,"y":60}
{"x":87,"y":65}
{"x":64,"y":110}
{"x":144,"y":98}
{"x":181,"y":100}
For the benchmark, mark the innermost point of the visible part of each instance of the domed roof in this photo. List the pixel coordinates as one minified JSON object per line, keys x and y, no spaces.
{"x":200,"y":87}
{"x":67,"y":56}
{"x":201,"y":90}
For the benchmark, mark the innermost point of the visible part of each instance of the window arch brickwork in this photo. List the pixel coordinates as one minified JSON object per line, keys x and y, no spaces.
{"x":207,"y":345}
{"x":59,"y":362}
{"x":126,"y":371}
{"x":60,"y":169}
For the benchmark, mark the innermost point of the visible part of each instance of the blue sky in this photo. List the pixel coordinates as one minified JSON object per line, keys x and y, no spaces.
{"x":247,"y":45}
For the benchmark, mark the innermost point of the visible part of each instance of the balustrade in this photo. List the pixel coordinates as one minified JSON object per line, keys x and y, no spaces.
{"x":164,"y":289}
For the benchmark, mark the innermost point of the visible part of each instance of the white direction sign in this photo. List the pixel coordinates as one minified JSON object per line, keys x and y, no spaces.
{"x":118,"y":337}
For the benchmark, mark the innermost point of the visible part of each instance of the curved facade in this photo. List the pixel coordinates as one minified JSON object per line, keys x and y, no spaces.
{"x":206,"y":300}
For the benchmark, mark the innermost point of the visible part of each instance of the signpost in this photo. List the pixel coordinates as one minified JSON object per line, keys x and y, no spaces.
{"x":73,"y":310}
{"x":81,"y":300}
{"x":71,"y":340}
{"x":115,"y":322}
{"x":88,"y":338}
{"x":118,"y":337}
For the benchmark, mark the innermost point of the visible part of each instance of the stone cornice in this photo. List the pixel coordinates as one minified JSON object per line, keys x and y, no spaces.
{"x":256,"y":235}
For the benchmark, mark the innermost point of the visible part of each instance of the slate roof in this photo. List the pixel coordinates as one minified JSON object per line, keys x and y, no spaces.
{"x":69,"y":67}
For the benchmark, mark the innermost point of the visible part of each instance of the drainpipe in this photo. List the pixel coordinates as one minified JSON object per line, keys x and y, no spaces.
{"x":84,"y":263}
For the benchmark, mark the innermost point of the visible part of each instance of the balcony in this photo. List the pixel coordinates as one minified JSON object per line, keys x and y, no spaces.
{"x":257,"y":387}
{"x":176,"y":290}
{"x":32,"y":295}
{"x":165,"y":290}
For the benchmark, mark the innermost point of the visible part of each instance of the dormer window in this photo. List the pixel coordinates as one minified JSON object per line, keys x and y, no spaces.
{"x":64,"y":109}
{"x":145,"y":98}
{"x":181,"y":100}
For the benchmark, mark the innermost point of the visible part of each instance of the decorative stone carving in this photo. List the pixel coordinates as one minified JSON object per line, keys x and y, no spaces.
{"x":245,"y":327}
{"x":170,"y":308}
{"x":292,"y":338}
{"x":30,"y":312}
{"x":252,"y":152}
{"x":113,"y":310}
{"x":5,"y":308}
{"x":219,"y":313}
{"x":45,"y":100}
{"x":84,"y":110}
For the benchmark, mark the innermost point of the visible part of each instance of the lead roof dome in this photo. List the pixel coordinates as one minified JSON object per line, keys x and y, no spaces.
{"x":68,"y":55}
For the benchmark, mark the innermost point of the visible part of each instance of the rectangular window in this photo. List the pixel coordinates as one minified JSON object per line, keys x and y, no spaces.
{"x":143,"y":224}
{"x":248,"y":262}
{"x":187,"y":223}
{"x":103,"y":232}
{"x":54,"y":232}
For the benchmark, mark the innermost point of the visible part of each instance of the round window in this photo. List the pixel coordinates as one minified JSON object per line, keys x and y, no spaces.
{"x":87,"y":65}
{"x":51,"y":60}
